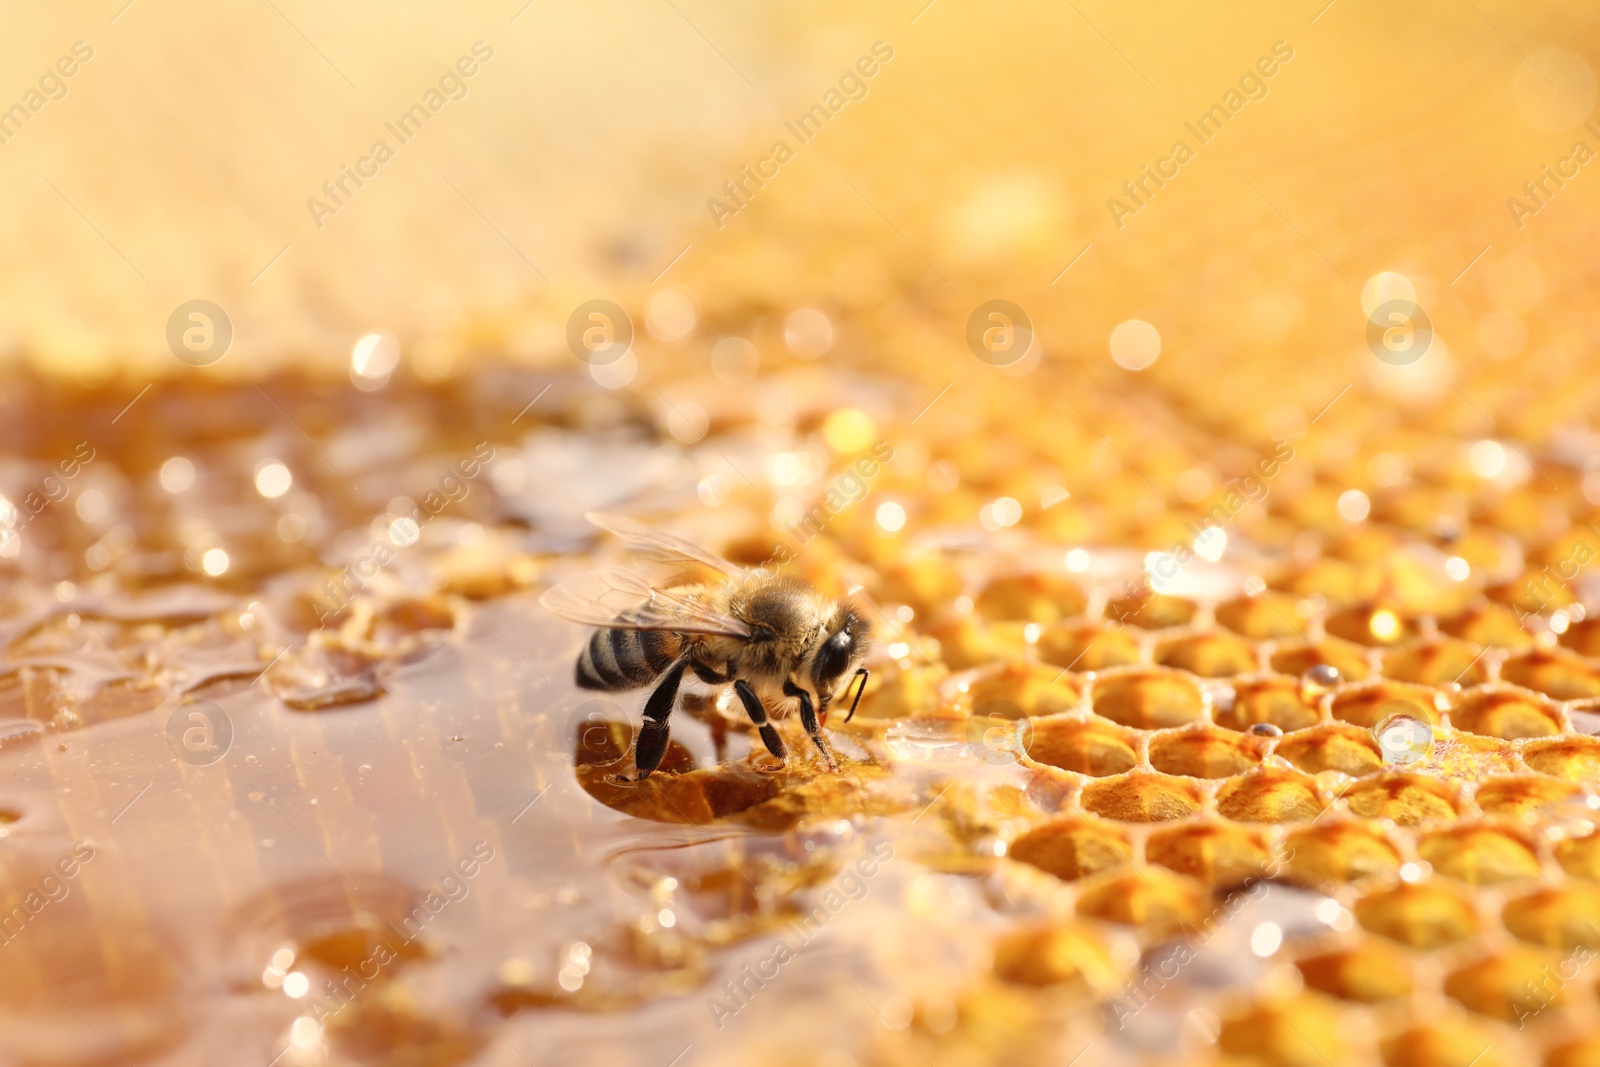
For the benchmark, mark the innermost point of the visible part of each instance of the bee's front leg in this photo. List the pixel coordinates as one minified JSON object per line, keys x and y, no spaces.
{"x":758,"y":715}
{"x":808,"y":719}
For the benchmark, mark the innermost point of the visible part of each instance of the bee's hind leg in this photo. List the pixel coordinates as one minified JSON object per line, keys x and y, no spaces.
{"x":653,"y":734}
{"x":758,"y":715}
{"x":808,"y":719}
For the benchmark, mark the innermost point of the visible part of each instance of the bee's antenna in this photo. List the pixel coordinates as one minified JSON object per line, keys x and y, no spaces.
{"x":862,"y":688}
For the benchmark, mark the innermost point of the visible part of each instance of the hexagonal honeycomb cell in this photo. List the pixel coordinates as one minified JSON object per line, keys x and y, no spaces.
{"x":1087,"y":746}
{"x":1056,"y":955}
{"x":1204,"y":752}
{"x":1576,"y":759}
{"x":1210,"y":655}
{"x":1507,"y":714}
{"x":1403,"y":798}
{"x":1030,"y":596}
{"x":1334,"y":851}
{"x":1522,"y":795}
{"x":1508,"y":985}
{"x":1148,"y":699}
{"x":1422,"y":916}
{"x":1564,"y":918}
{"x":1452,"y":1043}
{"x":1296,"y":657}
{"x":1152,"y":899}
{"x":1261,"y":617}
{"x":1020,"y":687}
{"x":1270,"y":795}
{"x":1488,"y":624}
{"x":1335,"y":747}
{"x":1297,"y":1031}
{"x":1377,"y":625}
{"x":1583,"y":1052}
{"x":1481,"y":855}
{"x":1369,"y":705}
{"x":1556,"y":673}
{"x":1072,"y":848}
{"x":1370,"y":972}
{"x":1218,"y":854}
{"x":1583,"y":637}
{"x":967,"y":641}
{"x":1274,"y":701}
{"x":1436,"y":661}
{"x":1579,"y":855}
{"x":1087,"y":646}
{"x":1155,"y":612}
{"x":897,"y":692}
{"x":1142,"y":797}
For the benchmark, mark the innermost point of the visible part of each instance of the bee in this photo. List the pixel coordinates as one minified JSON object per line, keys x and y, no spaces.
{"x":772,"y":638}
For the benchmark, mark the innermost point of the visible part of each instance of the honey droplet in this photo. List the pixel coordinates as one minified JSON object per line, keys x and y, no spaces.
{"x":1403,"y":740}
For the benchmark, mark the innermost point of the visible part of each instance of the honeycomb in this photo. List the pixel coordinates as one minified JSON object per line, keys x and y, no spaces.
{"x":1332,"y":806}
{"x":1401,"y":815}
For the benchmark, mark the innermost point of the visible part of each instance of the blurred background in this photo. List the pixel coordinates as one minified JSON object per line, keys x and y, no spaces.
{"x":578,"y":162}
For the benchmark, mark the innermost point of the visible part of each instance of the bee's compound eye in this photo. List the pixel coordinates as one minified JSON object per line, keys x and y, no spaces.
{"x":833,"y":657}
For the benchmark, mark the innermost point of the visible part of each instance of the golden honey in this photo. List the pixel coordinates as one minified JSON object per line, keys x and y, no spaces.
{"x":1235,"y":694}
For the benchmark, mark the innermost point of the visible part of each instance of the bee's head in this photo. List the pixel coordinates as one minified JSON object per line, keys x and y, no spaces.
{"x":839,"y":656}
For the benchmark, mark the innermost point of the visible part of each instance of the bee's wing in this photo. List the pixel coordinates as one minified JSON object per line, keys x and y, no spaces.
{"x":621,"y":599}
{"x":657,"y":545}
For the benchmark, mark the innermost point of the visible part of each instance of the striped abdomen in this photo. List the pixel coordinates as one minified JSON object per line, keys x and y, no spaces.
{"x":626,"y":659}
